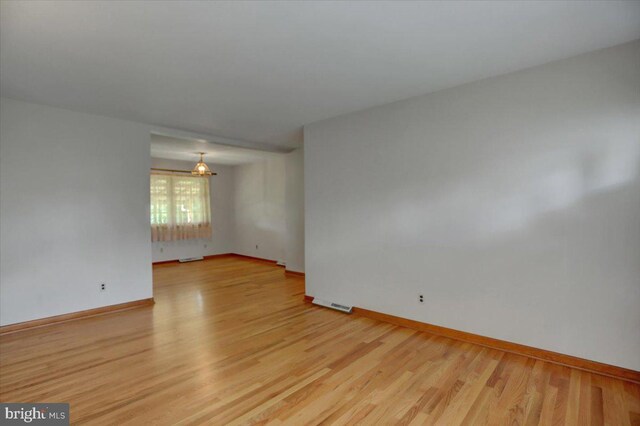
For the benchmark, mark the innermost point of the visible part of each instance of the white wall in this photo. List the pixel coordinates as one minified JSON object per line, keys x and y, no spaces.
{"x":74,"y":200}
{"x":259,"y":198}
{"x":512,"y":204}
{"x":294,"y":211}
{"x":221,"y":189}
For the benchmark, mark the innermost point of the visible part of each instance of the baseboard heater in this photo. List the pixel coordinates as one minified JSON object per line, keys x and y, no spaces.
{"x":190,"y":259}
{"x":336,"y":306}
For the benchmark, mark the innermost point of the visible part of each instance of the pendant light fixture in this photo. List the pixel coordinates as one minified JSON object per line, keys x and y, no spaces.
{"x":201,"y":169}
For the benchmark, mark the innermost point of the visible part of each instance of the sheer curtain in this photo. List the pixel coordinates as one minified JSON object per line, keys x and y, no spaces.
{"x":180,"y":207}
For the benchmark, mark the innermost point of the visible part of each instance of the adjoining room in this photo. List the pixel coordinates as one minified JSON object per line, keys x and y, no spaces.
{"x":252,"y":201}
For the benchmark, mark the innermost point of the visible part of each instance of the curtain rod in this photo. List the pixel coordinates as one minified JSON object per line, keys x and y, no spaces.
{"x":176,"y":171}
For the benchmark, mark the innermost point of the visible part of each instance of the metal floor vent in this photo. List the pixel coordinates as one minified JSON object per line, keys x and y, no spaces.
{"x":336,"y":306}
{"x":190,"y":259}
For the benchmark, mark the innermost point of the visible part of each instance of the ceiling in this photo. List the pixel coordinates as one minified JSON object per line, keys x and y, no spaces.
{"x":258,"y":71}
{"x":173,"y":148}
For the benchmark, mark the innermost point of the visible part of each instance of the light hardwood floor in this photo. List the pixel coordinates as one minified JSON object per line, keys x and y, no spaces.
{"x":230,"y":341}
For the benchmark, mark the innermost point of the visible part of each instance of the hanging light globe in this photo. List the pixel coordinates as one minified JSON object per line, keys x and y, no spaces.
{"x":201,"y":169}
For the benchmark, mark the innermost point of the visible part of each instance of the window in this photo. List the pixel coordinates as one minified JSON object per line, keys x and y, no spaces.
{"x":180,"y":207}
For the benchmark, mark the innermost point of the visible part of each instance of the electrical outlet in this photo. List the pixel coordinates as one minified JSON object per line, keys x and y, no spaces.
{"x":161,"y":249}
{"x":103,"y":286}
{"x":205,"y":246}
{"x":256,"y":247}
{"x":421,"y":298}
